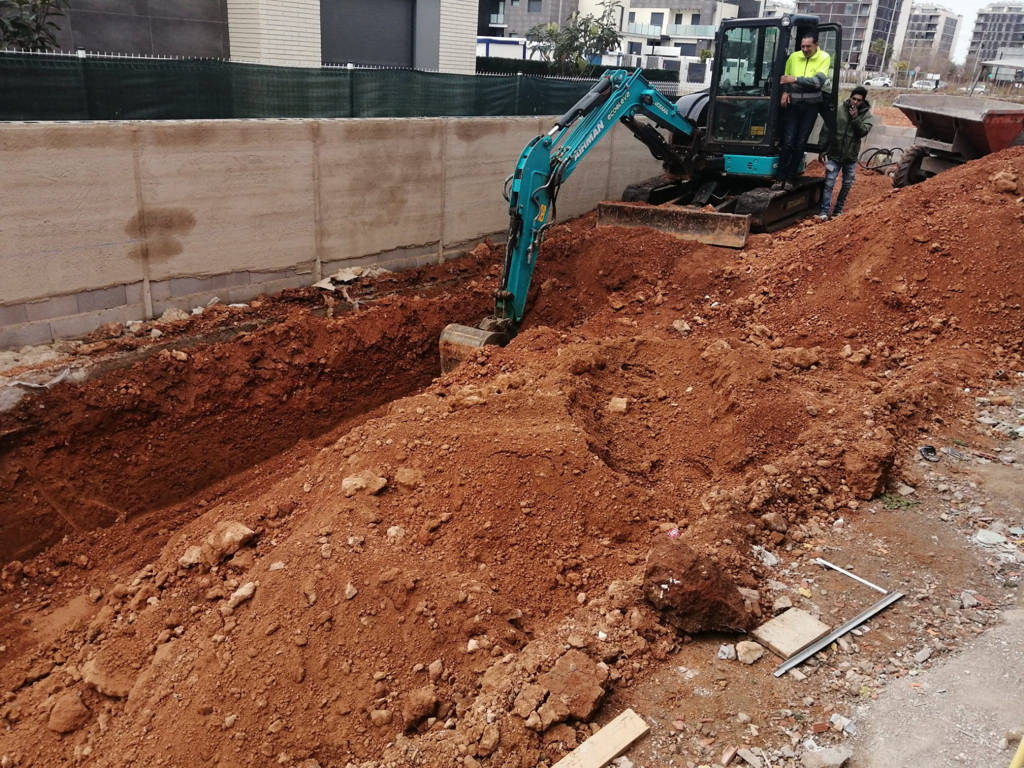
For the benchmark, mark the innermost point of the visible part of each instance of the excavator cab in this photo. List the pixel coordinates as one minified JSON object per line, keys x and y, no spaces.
{"x":744,"y":102}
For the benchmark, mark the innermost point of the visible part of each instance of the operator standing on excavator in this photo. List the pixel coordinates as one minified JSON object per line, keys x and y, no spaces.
{"x":807,"y":72}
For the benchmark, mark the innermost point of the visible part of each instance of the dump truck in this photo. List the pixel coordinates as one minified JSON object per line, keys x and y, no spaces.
{"x":952,"y":130}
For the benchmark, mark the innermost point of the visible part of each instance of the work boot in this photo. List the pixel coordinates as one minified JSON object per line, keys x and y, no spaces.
{"x":821,"y":216}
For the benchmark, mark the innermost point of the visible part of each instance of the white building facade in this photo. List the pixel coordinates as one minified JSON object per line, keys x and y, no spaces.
{"x":931,"y":36}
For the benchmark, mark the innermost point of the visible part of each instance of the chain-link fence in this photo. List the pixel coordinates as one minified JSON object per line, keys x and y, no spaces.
{"x":67,"y":87}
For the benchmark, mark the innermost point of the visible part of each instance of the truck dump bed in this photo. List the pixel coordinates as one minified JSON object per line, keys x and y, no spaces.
{"x":985,"y":125}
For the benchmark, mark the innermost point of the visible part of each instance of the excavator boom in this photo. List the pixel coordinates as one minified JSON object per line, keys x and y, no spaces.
{"x":532,"y":192}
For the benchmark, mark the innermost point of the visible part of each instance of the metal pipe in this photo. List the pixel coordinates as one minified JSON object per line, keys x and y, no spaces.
{"x":805,"y":653}
{"x":853,"y":576}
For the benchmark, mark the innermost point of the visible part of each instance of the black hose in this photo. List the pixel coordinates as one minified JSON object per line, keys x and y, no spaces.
{"x":878,"y":159}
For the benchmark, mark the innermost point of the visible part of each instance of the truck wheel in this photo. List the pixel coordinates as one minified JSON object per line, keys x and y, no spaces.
{"x":909,"y":169}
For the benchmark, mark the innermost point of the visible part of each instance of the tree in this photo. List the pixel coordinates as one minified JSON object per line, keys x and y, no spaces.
{"x":880,"y":48}
{"x":27,"y":25}
{"x":570,"y":46}
{"x":901,"y":68}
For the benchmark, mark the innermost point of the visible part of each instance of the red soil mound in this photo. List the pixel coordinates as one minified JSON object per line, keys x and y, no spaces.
{"x":456,"y":579}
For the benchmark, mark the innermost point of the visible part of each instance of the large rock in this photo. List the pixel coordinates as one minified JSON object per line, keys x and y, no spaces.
{"x":575,"y":686}
{"x":409,"y":478}
{"x":691,"y":591}
{"x":867,"y":465}
{"x":748,"y":652}
{"x":367,"y":481}
{"x":832,"y":757}
{"x":68,"y":713}
{"x":418,"y":705}
{"x":104,"y":675}
{"x":225,"y":539}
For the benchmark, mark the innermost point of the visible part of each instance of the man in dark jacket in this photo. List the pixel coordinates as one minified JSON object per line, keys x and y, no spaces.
{"x":853,"y":122}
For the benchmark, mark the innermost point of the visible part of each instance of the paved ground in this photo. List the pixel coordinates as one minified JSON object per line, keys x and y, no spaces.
{"x":960,"y":712}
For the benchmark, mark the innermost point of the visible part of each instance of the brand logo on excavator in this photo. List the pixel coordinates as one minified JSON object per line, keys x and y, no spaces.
{"x":611,"y":114}
{"x":594,"y":133}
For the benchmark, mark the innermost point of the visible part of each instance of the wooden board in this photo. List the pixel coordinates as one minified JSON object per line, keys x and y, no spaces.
{"x":790,"y":631}
{"x":608,"y":743}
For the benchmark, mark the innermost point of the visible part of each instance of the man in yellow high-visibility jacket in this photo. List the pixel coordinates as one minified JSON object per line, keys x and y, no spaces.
{"x":807,"y":72}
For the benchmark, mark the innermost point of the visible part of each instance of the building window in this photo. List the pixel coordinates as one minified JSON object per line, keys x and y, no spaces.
{"x":687,"y":49}
{"x":679,"y":19}
{"x":634,"y":49}
{"x":632,"y":17}
{"x":533,"y":6}
{"x":657,"y":19}
{"x":695,"y":19}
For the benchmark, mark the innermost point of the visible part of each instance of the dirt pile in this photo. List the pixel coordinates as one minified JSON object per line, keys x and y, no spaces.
{"x":457,"y":577}
{"x":934,"y":263}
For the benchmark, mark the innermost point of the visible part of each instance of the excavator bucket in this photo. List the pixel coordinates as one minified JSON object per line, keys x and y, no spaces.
{"x":686,"y":222}
{"x":461,"y":341}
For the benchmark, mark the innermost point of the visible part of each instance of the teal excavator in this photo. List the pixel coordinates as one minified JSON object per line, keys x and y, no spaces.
{"x":720,"y":158}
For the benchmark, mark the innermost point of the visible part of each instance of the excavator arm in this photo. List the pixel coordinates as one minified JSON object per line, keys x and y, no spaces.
{"x":532,"y":191}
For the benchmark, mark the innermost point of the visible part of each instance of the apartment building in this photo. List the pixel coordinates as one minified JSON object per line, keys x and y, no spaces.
{"x":777,"y":8}
{"x":931,"y":36}
{"x":864,"y":22}
{"x":673,"y":37}
{"x":998,"y":25}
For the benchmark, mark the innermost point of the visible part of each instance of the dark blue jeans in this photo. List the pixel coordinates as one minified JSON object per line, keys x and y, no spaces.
{"x":797,"y":123}
{"x":832,"y":169}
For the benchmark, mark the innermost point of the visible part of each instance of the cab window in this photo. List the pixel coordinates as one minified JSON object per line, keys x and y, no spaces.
{"x":743,"y":103}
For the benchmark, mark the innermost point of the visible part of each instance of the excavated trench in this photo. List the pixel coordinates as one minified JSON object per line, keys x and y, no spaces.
{"x":144,"y":437}
{"x":156,"y":424}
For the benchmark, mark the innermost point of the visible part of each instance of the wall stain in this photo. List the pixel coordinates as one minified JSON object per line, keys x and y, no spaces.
{"x":159,"y":228}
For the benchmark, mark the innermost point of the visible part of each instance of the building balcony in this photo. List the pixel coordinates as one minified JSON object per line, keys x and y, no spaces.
{"x":692,"y":31}
{"x":702,"y":31}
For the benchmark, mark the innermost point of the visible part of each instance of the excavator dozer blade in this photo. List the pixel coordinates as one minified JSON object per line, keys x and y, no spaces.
{"x":461,"y":341}
{"x":686,"y":222}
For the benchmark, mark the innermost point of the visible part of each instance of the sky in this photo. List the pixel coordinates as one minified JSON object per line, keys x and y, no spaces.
{"x":968,"y":9}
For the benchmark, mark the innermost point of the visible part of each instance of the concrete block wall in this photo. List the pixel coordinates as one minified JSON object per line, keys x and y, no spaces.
{"x":109,"y":222}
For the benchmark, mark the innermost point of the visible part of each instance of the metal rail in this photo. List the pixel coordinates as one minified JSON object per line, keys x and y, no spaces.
{"x":809,"y":650}
{"x":813,"y":647}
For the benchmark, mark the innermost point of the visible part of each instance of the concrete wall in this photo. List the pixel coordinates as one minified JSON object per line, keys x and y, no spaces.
{"x":111,"y":222}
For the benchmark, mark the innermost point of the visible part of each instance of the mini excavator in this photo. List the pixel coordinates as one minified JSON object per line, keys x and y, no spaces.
{"x":720,"y":159}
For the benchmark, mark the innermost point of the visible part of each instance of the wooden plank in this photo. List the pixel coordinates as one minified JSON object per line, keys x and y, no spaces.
{"x":788,"y":632}
{"x":608,"y":743}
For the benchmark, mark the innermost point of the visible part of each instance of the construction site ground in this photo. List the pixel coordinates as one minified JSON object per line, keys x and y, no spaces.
{"x":274,"y":534}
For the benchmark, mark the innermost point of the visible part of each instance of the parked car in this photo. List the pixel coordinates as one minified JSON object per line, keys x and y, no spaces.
{"x":879,"y":81}
{"x":979,"y":89}
{"x":927,"y":85}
